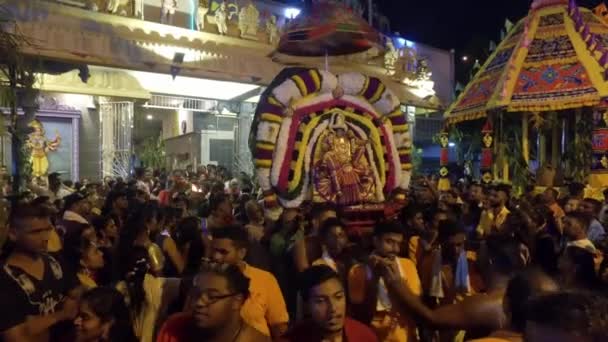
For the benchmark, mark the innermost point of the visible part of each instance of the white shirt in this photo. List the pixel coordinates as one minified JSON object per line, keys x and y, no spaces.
{"x":72,"y":216}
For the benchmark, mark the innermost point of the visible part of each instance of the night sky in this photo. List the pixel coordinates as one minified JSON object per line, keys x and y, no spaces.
{"x":466,"y":26}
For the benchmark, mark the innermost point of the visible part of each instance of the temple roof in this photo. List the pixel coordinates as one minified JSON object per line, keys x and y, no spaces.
{"x":553,"y":59}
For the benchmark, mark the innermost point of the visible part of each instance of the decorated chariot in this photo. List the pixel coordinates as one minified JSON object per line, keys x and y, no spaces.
{"x":336,"y":139}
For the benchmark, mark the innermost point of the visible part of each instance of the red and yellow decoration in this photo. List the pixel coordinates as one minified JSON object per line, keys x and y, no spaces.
{"x":487,"y":150}
{"x":553,"y":59}
{"x":331,"y":28}
{"x":444,"y":160}
{"x":340,"y":139}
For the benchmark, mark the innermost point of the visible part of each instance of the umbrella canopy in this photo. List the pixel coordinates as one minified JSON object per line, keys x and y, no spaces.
{"x":553,"y":59}
{"x":329,"y":28}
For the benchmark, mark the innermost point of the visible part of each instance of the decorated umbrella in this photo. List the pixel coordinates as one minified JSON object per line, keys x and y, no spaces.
{"x":553,"y":59}
{"x":328,"y":28}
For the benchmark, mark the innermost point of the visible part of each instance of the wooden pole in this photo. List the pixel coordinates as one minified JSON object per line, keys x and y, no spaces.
{"x":555,"y":143}
{"x":525,"y":142}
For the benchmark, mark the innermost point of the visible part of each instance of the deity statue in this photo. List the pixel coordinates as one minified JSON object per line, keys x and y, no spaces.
{"x":138,"y":9}
{"x":220,"y":19}
{"x":117,"y":7}
{"x":390,"y":57}
{"x":249,"y":17}
{"x":167,"y":11}
{"x":203,"y":9}
{"x":423,"y":72}
{"x":343,"y":175}
{"x":40,"y":145}
{"x":273,"y":30}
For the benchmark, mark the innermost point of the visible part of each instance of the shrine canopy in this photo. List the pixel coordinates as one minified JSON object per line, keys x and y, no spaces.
{"x":328,"y":28}
{"x":553,"y":59}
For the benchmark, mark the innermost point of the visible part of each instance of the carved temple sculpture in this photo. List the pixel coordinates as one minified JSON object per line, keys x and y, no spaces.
{"x":249,"y":18}
{"x":167,"y":11}
{"x":201,"y":13}
{"x":273,"y":30}
{"x":220,"y":19}
{"x":324,"y":138}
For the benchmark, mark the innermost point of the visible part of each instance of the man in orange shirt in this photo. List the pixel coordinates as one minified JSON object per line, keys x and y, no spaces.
{"x":550,"y":199}
{"x":370,"y":299}
{"x":265,"y":309}
{"x":493,"y":217}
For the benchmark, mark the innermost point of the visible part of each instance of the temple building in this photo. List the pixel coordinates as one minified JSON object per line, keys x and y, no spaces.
{"x":176,"y":82}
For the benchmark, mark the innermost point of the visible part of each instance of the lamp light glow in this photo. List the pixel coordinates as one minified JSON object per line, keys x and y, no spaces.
{"x":291,"y":12}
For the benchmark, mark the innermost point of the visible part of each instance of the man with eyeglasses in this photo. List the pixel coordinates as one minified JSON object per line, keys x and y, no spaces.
{"x":219,"y":292}
{"x":265,"y":309}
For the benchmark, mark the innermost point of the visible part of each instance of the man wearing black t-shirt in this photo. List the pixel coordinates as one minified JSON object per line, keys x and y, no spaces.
{"x":36,"y":293}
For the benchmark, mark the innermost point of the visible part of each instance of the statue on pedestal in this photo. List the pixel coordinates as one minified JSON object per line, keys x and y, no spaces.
{"x":343,"y":175}
{"x":249,"y":21}
{"x":203,"y":9}
{"x":273,"y":30}
{"x":220,"y":19}
{"x":167,"y":11}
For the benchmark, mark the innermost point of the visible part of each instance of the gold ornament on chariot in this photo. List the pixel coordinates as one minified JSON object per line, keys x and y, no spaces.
{"x":443,"y":171}
{"x":487,"y":140}
{"x":444,"y":141}
{"x":487,"y":177}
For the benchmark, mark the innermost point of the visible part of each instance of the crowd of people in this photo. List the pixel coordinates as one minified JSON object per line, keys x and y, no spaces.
{"x":191,"y":256}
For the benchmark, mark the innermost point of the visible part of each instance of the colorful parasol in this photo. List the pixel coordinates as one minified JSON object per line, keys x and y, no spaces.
{"x":328,"y":29}
{"x":553,"y":59}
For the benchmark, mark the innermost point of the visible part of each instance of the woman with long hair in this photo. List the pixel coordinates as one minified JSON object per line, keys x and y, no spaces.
{"x":103,"y":316}
{"x":81,"y":254}
{"x":107,"y":231}
{"x":147,"y":296}
{"x":189,"y":242}
{"x":140,"y":230}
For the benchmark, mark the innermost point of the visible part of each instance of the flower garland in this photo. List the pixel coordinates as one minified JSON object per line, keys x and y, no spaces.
{"x":291,"y":116}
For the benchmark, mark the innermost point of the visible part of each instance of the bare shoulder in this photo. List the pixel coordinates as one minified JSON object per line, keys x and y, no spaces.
{"x":250,"y":334}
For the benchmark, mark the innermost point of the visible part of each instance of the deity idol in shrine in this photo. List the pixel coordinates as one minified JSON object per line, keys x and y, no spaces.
{"x":337,"y":139}
{"x":343,"y":171}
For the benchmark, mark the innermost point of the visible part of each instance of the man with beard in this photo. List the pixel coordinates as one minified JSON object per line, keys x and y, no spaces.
{"x":220,"y":290}
{"x":325,"y":301}
{"x":37,"y":294}
{"x":371,"y":301}
{"x":492,"y":218}
{"x":575,"y":229}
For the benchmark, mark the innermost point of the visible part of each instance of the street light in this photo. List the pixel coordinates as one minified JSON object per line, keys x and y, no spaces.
{"x":465,"y":58}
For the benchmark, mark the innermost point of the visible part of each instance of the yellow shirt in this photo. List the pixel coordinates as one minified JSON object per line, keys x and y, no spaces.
{"x":54,"y":244}
{"x":86,"y":280}
{"x":490,"y":222}
{"x":405,"y":329}
{"x":265,"y":306}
